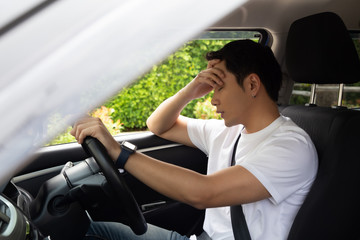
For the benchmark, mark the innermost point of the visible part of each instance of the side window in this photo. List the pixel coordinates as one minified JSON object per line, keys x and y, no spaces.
{"x":327,"y":94}
{"x":129,"y":109}
{"x":352,"y":91}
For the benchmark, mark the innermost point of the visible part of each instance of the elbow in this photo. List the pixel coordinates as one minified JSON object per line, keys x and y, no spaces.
{"x":200,"y":194}
{"x":199,"y":206}
{"x":199,"y":200}
{"x":148,"y":124}
{"x":152,"y":127}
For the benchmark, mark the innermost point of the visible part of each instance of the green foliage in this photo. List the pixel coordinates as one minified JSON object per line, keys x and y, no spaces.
{"x":133,"y":105}
{"x":104,"y":114}
{"x":205,"y":110}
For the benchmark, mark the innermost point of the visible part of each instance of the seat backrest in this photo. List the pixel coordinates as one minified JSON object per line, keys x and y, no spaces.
{"x":331,"y":209}
{"x":320,"y":50}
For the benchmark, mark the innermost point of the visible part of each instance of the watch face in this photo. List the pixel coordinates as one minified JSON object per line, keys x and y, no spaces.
{"x":129,"y":145}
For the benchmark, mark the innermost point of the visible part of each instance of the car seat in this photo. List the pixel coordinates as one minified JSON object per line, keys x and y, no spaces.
{"x":319,"y":50}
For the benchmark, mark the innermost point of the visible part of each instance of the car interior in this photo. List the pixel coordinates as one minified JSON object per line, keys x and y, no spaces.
{"x":61,"y":190}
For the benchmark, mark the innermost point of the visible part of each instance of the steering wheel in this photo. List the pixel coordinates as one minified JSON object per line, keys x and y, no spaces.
{"x":122,"y":193}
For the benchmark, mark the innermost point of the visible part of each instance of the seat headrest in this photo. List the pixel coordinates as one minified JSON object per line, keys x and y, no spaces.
{"x":319,"y":49}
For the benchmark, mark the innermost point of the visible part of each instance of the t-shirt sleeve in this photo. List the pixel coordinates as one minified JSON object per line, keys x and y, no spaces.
{"x":284,"y":165}
{"x":199,"y":132}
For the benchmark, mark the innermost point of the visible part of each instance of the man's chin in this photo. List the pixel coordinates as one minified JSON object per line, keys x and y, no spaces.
{"x":227,"y":123}
{"x":230,"y":123}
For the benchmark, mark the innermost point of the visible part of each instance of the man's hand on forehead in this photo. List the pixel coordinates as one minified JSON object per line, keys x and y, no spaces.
{"x":219,"y":73}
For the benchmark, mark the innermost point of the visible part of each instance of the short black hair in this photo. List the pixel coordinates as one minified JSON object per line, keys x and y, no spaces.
{"x":243,"y":57}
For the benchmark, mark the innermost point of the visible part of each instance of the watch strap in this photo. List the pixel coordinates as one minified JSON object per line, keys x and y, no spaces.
{"x":122,"y":159}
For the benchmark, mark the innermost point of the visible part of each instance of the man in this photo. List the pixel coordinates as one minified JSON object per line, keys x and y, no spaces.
{"x":275,"y":161}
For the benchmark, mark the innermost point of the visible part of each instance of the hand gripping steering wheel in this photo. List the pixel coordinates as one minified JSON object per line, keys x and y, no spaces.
{"x":122,"y":193}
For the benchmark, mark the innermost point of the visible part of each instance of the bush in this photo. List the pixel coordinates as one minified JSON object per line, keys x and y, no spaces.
{"x":104,"y":114}
{"x":205,"y":110}
{"x":133,"y":105}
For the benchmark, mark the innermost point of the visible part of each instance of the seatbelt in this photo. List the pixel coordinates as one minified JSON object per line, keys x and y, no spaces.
{"x":238,"y":222}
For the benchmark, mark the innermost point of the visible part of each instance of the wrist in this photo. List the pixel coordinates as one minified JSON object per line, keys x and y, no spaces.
{"x":184,"y":95}
{"x":116,"y":153}
{"x":127,"y":149}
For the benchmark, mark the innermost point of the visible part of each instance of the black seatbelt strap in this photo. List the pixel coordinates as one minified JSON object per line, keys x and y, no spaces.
{"x":238,"y":222}
{"x":234,"y":150}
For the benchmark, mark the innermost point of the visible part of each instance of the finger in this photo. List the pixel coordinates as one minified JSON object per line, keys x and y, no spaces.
{"x":212,"y":65}
{"x":94,"y":127}
{"x":89,"y":131}
{"x":219,"y":73}
{"x":79,"y":124}
{"x":208,"y":78}
{"x":213,"y":62}
{"x":86,"y":127}
{"x":213,"y":74}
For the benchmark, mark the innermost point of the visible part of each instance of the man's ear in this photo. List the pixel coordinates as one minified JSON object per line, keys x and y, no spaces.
{"x":253,"y":84}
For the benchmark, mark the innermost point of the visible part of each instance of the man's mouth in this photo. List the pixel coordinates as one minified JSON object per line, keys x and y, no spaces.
{"x":221,"y":113}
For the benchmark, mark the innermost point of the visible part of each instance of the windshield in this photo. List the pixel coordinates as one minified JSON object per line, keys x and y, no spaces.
{"x":71,"y":56}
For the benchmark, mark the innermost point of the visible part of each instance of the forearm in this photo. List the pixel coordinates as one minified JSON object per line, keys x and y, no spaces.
{"x":166,"y":116}
{"x":168,"y":112}
{"x":163,"y":177}
{"x":230,"y":186}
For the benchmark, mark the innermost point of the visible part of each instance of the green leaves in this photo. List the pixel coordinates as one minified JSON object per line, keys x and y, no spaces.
{"x":134,"y":105}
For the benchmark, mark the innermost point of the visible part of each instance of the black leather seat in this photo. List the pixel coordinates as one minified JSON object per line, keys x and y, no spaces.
{"x":320,"y":50}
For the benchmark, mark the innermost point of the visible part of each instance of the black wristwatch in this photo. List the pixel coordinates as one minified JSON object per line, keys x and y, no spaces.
{"x":127,"y":149}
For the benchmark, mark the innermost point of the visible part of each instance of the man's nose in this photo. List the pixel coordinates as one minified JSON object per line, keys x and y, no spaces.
{"x":214,"y":101}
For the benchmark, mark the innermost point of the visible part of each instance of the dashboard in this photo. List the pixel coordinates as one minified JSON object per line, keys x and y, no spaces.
{"x":14,"y":212}
{"x":59,"y":205}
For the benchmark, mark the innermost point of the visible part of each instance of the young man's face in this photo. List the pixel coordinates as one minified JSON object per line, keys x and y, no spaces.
{"x":230,"y":99}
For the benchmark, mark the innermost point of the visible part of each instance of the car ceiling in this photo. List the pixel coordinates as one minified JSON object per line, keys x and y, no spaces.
{"x":277,"y":15}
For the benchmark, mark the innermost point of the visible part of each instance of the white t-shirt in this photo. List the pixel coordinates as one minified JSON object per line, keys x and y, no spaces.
{"x":281,"y":156}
